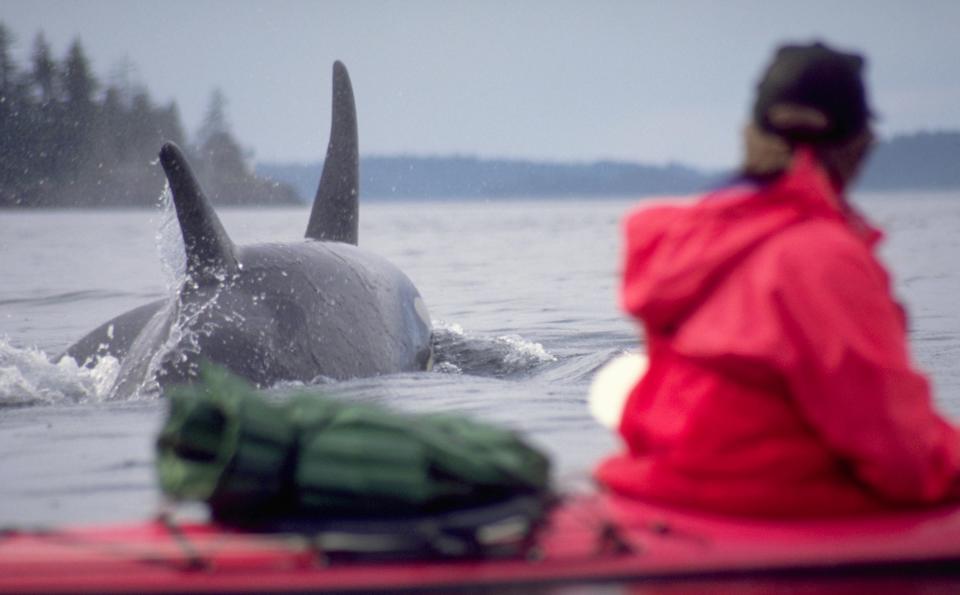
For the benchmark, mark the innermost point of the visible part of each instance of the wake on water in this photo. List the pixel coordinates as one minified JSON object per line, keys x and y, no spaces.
{"x":29,"y":377}
{"x":458,"y":352}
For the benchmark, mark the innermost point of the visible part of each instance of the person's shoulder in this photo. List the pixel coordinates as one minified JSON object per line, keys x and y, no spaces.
{"x":820,"y":249}
{"x":819,"y":236}
{"x":656,"y":213}
{"x":655,"y":205}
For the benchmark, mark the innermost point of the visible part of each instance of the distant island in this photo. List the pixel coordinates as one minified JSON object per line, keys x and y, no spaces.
{"x":69,"y":140}
{"x":457,"y":177}
{"x":920,"y":161}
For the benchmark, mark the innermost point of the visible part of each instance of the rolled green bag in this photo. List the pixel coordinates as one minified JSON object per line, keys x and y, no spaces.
{"x":374,"y":461}
{"x":225,"y":444}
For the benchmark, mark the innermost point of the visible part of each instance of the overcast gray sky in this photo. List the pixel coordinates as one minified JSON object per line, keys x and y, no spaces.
{"x":559,"y":80}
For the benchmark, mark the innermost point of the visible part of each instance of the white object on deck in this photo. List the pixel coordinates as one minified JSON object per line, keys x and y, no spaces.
{"x":613,"y":384}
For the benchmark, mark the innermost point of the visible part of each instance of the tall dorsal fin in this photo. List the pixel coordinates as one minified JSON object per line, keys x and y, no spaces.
{"x":334,"y":215}
{"x":210,"y":253}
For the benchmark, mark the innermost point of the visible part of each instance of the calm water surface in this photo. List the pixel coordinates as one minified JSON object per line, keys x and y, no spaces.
{"x":522,"y":295}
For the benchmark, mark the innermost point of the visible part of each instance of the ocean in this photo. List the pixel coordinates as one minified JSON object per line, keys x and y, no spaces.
{"x":523,"y":300}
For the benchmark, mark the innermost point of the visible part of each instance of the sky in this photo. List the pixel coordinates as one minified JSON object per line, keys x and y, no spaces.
{"x":640,"y":80}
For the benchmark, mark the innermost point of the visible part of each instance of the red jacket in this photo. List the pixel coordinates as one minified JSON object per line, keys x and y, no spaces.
{"x":780,"y":381}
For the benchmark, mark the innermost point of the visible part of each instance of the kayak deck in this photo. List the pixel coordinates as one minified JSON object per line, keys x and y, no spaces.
{"x":586,"y":539}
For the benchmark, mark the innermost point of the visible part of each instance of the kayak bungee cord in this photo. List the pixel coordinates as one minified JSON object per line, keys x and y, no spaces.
{"x":194,"y":560}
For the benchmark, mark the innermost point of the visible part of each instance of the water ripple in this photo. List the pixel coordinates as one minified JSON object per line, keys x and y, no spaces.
{"x":69,"y":297}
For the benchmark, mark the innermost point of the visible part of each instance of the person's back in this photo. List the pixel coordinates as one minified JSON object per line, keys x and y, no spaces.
{"x":779,"y":379}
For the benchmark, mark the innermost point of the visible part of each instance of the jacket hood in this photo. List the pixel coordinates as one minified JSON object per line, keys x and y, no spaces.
{"x":676,"y":255}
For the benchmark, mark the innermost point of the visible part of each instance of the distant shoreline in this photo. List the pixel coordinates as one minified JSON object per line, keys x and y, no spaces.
{"x":920,"y":162}
{"x":859,"y":196}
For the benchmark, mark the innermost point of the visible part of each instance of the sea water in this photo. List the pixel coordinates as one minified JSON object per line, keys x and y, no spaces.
{"x":522,"y":295}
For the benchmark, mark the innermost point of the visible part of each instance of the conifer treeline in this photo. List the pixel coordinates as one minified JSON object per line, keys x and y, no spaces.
{"x":67,"y":139}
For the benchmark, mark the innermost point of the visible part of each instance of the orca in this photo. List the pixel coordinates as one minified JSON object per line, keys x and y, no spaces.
{"x":302,"y":311}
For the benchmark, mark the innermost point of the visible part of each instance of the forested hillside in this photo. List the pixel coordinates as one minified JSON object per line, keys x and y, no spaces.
{"x":69,"y":139}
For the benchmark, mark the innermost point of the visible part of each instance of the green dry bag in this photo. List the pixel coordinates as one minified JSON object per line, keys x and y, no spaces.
{"x":248,"y":457}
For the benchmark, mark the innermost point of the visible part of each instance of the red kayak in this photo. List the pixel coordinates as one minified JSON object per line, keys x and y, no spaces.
{"x":585,"y":540}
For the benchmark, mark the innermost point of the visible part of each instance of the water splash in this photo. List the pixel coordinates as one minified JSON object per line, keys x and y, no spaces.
{"x":172,"y":328}
{"x":177,"y":330}
{"x":28,"y":377}
{"x":169,"y":242}
{"x":459,"y":352}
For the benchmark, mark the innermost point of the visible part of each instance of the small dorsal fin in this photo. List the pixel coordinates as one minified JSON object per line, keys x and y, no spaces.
{"x":334,"y":215}
{"x":210,"y":253}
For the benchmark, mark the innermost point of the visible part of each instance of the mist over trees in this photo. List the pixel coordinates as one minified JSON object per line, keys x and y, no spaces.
{"x":68,"y":139}
{"x":223,"y":167}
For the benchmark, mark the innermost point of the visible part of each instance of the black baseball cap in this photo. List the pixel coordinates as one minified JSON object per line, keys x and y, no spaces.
{"x":823,"y":88}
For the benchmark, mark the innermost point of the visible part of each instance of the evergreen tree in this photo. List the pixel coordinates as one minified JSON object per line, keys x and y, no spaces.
{"x":170,"y":127}
{"x":41,"y":118}
{"x":144,"y":132}
{"x":223,"y":167}
{"x":44,"y":70}
{"x":13,"y":118}
{"x":75,"y":123}
{"x":215,"y":118}
{"x":220,"y":155}
{"x":111,"y":127}
{"x":8,"y":70}
{"x":122,"y":79}
{"x":79,"y":84}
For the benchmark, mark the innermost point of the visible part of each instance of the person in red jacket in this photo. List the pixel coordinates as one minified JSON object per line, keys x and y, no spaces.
{"x":779,"y":379}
